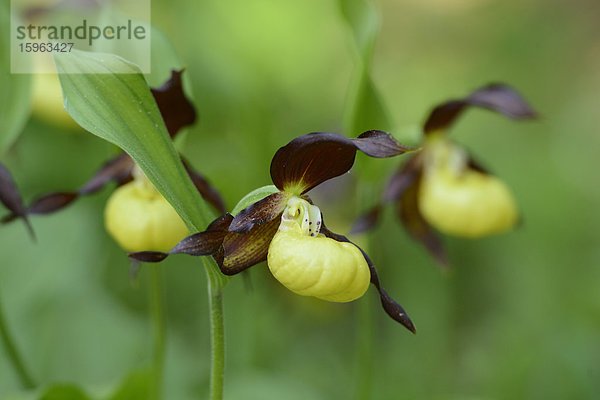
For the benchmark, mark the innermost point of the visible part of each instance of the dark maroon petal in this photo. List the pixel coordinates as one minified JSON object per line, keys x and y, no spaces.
{"x":408,"y":211}
{"x":367,"y":221}
{"x":380,"y":144}
{"x":11,"y":198}
{"x":206,"y":190}
{"x":52,"y":202}
{"x":496,"y":97}
{"x":259,"y":213}
{"x":148,"y":256}
{"x":391,"y":307}
{"x":243,"y":250}
{"x":311,"y":159}
{"x":177,"y":111}
{"x":204,"y":243}
{"x":502,"y":99}
{"x":117,"y":169}
{"x":402,"y":179}
{"x":397,"y":184}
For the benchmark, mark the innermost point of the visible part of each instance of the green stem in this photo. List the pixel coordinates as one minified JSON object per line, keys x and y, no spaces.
{"x":13,"y":354}
{"x":217,"y":331}
{"x":158,"y":322}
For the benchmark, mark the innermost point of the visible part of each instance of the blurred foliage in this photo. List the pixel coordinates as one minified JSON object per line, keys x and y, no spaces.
{"x":518,"y":317}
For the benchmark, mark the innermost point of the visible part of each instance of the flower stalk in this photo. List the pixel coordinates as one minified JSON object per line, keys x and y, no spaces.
{"x":158,"y":322}
{"x":217,"y":330}
{"x":13,"y":354}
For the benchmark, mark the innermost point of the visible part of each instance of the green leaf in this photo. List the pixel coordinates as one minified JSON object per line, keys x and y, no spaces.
{"x":109,"y":97}
{"x":365,"y":110}
{"x":15,"y":97}
{"x":136,"y":385}
{"x":64,"y":392}
{"x":363,"y":21}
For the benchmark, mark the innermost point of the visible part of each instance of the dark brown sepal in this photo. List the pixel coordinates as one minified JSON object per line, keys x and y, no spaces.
{"x":176,"y":110}
{"x":380,"y":144}
{"x":311,"y":159}
{"x":117,"y":169}
{"x":241,"y":251}
{"x":258,"y":213}
{"x":391,"y":307}
{"x":11,"y":198}
{"x":206,"y":190}
{"x":407,"y":208}
{"x":500,"y":98}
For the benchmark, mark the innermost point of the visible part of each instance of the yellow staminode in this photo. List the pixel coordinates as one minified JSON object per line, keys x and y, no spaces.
{"x":139,"y":218}
{"x":461,"y":201}
{"x":310,"y":264}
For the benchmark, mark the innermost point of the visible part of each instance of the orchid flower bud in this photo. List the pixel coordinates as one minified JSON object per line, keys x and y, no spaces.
{"x":138,"y":217}
{"x":459,"y":200}
{"x":310,"y":264}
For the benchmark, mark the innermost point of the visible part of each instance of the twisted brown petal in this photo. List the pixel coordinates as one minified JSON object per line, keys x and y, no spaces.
{"x":233,"y":252}
{"x":391,"y":307}
{"x":206,"y":190}
{"x":259,"y":213}
{"x":243,"y":250}
{"x":407,"y":208}
{"x":380,"y":144}
{"x":117,"y":169}
{"x":500,"y":98}
{"x":11,"y":198}
{"x":203,"y":243}
{"x":311,"y":159}
{"x":398,"y":183}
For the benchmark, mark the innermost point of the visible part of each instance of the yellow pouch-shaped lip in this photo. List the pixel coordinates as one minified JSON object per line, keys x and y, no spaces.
{"x":139,"y":218}
{"x":310,"y":264}
{"x":469,"y":204}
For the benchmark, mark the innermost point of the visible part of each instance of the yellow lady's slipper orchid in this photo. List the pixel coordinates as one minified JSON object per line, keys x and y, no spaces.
{"x":443,"y":188}
{"x":280,"y":225}
{"x":458,"y":200}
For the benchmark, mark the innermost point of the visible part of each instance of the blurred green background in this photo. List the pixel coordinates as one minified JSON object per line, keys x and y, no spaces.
{"x":518,"y":317}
